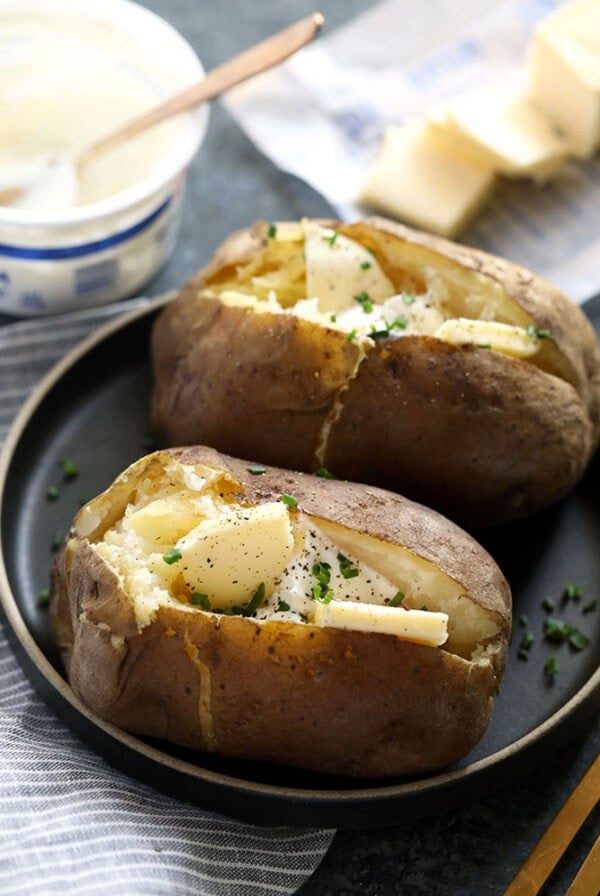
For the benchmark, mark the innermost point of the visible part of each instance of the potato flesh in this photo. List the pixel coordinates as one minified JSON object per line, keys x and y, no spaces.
{"x":345,"y":288}
{"x":384,"y":568}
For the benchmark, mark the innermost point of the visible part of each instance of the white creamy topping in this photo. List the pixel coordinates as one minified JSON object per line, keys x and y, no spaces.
{"x":295,"y":586}
{"x":67,"y":81}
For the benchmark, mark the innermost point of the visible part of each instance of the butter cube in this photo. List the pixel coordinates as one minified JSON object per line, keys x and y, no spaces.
{"x":228,"y":556}
{"x":564,"y":73}
{"x":508,"y":133}
{"x":418,"y":182}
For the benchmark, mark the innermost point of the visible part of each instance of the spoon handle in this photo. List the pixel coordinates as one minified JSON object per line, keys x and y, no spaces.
{"x":259,"y":58}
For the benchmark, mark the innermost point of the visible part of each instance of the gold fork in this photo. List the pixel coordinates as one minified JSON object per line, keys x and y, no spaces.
{"x":545,"y":855}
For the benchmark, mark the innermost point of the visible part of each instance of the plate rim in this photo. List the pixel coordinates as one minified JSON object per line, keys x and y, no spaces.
{"x":580,"y":705}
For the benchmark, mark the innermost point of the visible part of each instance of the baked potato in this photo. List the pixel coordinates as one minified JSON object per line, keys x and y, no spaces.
{"x":268,"y":615}
{"x":385,"y":356}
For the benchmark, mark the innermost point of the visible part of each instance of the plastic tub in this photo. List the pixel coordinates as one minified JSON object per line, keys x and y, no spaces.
{"x":97,"y":253}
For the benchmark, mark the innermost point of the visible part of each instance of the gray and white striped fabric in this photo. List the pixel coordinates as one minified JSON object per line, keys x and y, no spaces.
{"x":70,"y":825}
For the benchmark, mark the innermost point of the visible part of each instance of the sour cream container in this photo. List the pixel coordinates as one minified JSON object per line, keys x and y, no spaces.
{"x":107,"y":249}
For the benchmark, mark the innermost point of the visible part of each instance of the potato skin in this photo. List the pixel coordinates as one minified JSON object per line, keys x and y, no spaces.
{"x":483,"y":437}
{"x":323,"y":699}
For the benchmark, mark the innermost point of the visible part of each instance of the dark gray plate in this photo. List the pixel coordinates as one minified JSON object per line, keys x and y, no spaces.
{"x":93,"y":407}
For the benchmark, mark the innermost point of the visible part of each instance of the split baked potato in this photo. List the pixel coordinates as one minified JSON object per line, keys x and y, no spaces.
{"x":268,"y":615}
{"x":386,"y":356}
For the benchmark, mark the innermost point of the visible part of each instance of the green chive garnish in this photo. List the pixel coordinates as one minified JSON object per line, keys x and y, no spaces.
{"x":365,"y":265}
{"x":346,"y":568}
{"x":52,"y":493}
{"x":44,"y":596}
{"x":289,"y":500}
{"x":70,"y":470}
{"x":363,"y":299}
{"x":548,"y":604}
{"x":397,"y":599}
{"x":551,"y":666}
{"x":272,"y":231}
{"x":256,"y":469}
{"x":255,"y":601}
{"x":172,"y":556}
{"x":351,"y":335}
{"x":408,"y":298}
{"x":200,"y":600}
{"x":324,"y":473}
{"x":56,"y":541}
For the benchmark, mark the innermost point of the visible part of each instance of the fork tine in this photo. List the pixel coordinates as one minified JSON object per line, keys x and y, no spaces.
{"x":587,"y":879}
{"x":536,"y":869}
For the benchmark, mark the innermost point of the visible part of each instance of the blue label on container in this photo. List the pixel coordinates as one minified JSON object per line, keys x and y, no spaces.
{"x":55,"y":253}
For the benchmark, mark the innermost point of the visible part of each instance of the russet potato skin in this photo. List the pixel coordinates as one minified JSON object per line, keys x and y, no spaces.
{"x":343,"y":702}
{"x":451,"y":408}
{"x":481,"y":436}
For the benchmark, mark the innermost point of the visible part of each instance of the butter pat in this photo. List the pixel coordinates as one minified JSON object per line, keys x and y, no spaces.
{"x":227,"y":557}
{"x":564,"y":73}
{"x":418,"y":626}
{"x":417,"y":181}
{"x":493,"y":128}
{"x":504,"y":338}
{"x":338,"y":269}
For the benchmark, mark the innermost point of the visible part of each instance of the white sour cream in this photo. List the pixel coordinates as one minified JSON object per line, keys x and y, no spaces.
{"x":67,"y":80}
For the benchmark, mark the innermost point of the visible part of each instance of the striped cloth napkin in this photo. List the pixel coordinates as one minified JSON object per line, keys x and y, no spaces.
{"x":70,"y":825}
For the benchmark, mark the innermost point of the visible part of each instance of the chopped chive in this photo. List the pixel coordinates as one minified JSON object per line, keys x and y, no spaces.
{"x":172,"y":556}
{"x":365,"y":265}
{"x":52,"y":493}
{"x":484,"y":345}
{"x":346,"y":568}
{"x":82,"y":500}
{"x":324,"y":473}
{"x":255,"y":601}
{"x":321,"y":594}
{"x":548,"y":604}
{"x":69,"y":469}
{"x":408,"y":298}
{"x":282,"y":607}
{"x":379,"y":334}
{"x":590,"y":606}
{"x":44,"y":596}
{"x":333,"y":318}
{"x":578,"y":640}
{"x":534,"y":332}
{"x":289,"y":500}
{"x":398,"y":324}
{"x":256,"y":469}
{"x":557,"y":631}
{"x":56,"y":541}
{"x":523,"y":620}
{"x":572,"y":592}
{"x":351,"y":335}
{"x":363,"y":299}
{"x":551,"y":666}
{"x":331,"y":239}
{"x":322,"y":572}
{"x":525,"y":646}
{"x":272,"y":231}
{"x":200,"y":600}
{"x":397,"y":599}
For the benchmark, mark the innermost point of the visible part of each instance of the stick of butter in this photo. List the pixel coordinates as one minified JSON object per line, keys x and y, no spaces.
{"x":418,"y":626}
{"x":416,"y":181}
